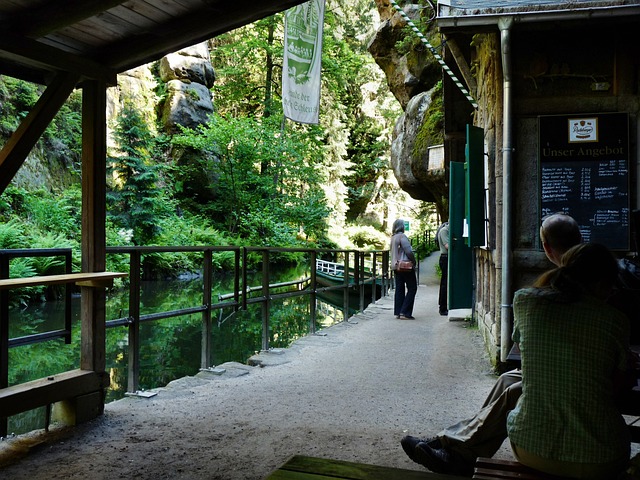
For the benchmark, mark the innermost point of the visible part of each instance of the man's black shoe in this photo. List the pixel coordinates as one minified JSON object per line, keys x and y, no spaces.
{"x":409,"y":444}
{"x":444,"y":312}
{"x":442,"y":460}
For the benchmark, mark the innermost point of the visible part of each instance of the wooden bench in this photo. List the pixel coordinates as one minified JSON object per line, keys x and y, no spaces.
{"x":67,"y":386}
{"x":495,"y":469}
{"x":300,"y":467}
{"x":44,"y":391}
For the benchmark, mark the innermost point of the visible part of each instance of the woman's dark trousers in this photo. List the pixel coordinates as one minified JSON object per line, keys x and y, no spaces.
{"x":444,"y":268}
{"x":406,"y":288}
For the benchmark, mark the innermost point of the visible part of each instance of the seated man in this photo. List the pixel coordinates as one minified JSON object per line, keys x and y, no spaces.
{"x":455,"y":449}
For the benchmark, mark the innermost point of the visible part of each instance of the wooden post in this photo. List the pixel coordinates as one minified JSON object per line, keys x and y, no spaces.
{"x":266,"y":303}
{"x":94,"y":154}
{"x":4,"y":338}
{"x":207,"y":273}
{"x":313,"y":298}
{"x":236,"y":280}
{"x":345,"y":291}
{"x":244,"y":279}
{"x":133,"y":377}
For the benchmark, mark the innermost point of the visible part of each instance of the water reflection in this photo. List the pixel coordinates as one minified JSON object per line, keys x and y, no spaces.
{"x":169,"y":348}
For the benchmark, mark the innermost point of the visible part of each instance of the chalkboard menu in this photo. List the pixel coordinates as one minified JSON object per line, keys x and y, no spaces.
{"x":584,"y":172}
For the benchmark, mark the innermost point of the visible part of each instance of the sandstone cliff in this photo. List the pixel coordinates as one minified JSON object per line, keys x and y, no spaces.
{"x":413,"y":75}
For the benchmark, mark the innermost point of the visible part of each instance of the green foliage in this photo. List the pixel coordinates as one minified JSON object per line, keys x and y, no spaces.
{"x":409,"y":41}
{"x":64,"y":133}
{"x":367,"y":150}
{"x":12,"y":203}
{"x":266,"y":185}
{"x":432,"y":129}
{"x":350,"y":137}
{"x":22,"y":268}
{"x":17,"y":97}
{"x":242,"y":68}
{"x":57,"y":214}
{"x":367,"y":237}
{"x":136,"y":202}
{"x":11,"y":235}
{"x":423,"y":250}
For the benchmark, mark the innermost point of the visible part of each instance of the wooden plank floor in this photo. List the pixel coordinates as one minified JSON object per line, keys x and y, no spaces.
{"x":300,"y":467}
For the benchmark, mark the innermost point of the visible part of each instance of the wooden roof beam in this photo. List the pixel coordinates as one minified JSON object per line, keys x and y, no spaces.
{"x":15,"y":151}
{"x":461,"y":61}
{"x":28,"y":52}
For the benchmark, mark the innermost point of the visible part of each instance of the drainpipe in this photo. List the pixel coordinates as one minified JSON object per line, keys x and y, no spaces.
{"x":505,"y":24}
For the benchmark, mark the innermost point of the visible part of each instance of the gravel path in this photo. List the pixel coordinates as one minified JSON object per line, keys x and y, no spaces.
{"x":349,"y":393}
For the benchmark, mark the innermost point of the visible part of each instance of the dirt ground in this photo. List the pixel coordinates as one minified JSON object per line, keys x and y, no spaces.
{"x":349,"y":393}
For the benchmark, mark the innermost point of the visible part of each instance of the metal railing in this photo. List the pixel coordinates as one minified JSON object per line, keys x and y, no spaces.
{"x":355,"y":279}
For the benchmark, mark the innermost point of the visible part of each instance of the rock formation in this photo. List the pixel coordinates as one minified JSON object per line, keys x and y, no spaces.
{"x":412,"y":73}
{"x":189,"y":76}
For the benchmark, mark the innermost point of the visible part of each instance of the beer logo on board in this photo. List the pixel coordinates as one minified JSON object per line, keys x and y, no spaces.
{"x":583,"y":130}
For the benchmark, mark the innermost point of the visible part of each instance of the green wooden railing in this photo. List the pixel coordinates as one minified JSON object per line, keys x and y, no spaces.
{"x":353,"y":261}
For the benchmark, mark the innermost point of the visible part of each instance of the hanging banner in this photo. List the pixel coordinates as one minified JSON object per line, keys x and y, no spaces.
{"x":302,"y":61}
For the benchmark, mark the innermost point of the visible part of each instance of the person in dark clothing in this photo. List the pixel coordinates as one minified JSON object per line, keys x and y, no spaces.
{"x":442,"y":235}
{"x":406,"y":283}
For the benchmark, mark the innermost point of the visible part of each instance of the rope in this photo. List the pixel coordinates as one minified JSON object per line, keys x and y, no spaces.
{"x":435,"y":53}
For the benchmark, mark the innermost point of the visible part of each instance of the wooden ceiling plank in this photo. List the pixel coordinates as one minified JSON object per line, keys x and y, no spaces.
{"x":189,"y":5}
{"x":107,"y":32}
{"x":137,"y":19}
{"x":114,"y":23}
{"x":15,"y":151}
{"x":172,"y":7}
{"x":15,"y":5}
{"x":91,"y":33}
{"x":158,"y":15}
{"x":52,"y":16}
{"x":186,"y":31}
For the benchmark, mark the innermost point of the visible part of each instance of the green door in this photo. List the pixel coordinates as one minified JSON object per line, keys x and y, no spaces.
{"x":460,"y":285}
{"x":474,"y":195}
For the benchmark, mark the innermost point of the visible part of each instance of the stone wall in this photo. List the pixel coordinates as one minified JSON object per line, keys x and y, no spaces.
{"x":488,"y":76}
{"x":551,"y":76}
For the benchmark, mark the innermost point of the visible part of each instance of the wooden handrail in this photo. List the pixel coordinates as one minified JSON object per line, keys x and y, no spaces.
{"x":83,"y":279}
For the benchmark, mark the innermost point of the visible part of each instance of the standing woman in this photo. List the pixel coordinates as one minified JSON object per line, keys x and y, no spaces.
{"x":401,"y":251}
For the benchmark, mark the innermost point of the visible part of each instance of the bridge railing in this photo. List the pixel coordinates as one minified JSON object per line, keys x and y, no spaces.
{"x":355,"y":280}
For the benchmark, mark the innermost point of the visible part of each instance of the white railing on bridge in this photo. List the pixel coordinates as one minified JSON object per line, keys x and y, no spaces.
{"x":337,"y":269}
{"x":330,"y":268}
